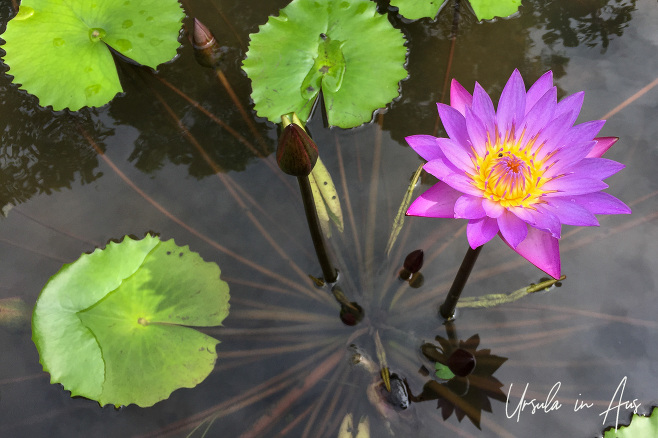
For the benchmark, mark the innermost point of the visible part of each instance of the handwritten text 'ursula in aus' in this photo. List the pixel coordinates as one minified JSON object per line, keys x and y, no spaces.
{"x":552,"y":403}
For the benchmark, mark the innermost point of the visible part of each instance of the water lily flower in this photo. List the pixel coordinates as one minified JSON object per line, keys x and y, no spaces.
{"x":521,"y":171}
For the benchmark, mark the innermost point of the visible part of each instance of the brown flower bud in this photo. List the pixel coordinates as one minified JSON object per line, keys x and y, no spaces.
{"x":297,"y":152}
{"x":207,"y":51}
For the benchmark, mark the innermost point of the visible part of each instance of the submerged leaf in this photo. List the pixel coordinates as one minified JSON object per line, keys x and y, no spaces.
{"x":344,"y":48}
{"x":57,"y":50}
{"x":109,"y":326}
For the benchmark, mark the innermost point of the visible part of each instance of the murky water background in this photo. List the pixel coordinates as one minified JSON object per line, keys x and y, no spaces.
{"x":284,"y":361}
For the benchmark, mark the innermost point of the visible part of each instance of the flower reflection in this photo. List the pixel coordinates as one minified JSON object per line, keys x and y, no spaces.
{"x":472,"y":384}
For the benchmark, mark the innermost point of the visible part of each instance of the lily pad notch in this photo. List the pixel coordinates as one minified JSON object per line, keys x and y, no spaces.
{"x":115,"y":325}
{"x":59,"y":51}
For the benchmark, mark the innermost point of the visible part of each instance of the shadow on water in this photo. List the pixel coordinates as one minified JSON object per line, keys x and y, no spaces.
{"x":177,"y":156}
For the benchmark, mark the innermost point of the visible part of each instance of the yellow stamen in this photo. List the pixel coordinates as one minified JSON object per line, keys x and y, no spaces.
{"x":509,"y":173}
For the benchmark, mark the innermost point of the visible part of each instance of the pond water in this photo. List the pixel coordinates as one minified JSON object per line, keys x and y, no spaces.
{"x":285,"y":364}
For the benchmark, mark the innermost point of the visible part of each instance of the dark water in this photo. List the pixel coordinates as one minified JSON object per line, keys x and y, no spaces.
{"x":284,"y":365}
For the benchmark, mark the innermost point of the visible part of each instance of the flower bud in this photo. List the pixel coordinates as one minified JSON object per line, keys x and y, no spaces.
{"x":296,"y":153}
{"x":207,"y":51}
{"x":414,"y":261}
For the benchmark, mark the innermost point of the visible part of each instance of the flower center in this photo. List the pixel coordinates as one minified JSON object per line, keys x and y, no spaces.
{"x":509,"y":174}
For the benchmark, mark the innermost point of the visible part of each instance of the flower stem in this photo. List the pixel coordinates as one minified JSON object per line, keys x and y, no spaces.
{"x":328,"y":270}
{"x":447,"y":309}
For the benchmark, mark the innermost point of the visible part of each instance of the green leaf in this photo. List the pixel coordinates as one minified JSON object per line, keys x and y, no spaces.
{"x":640,"y":426}
{"x":109,"y":326}
{"x":443,"y":372}
{"x":57,"y":49}
{"x":488,"y":9}
{"x":415,"y":9}
{"x":342,"y":47}
{"x":484,"y":9}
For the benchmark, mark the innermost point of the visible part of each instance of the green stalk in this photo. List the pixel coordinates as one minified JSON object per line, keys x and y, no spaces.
{"x":447,"y":309}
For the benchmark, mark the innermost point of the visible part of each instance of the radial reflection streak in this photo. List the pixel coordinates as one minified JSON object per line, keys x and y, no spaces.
{"x":280,"y":315}
{"x":597,"y":315}
{"x":57,"y":230}
{"x":284,"y":404}
{"x":294,"y":423}
{"x":543,"y":339}
{"x":233,"y":189}
{"x":519,"y":323}
{"x":253,"y":395}
{"x":330,"y":411}
{"x":644,"y":90}
{"x":215,"y":119}
{"x":296,"y":347}
{"x":371,"y":216}
{"x":329,"y":388}
{"x":348,"y":206}
{"x":191,"y":230}
{"x":35,"y":251}
{"x":258,"y":285}
{"x":610,"y":231}
{"x":248,"y":119}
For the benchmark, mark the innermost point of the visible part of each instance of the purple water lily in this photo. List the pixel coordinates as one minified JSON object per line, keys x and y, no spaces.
{"x":521,"y":171}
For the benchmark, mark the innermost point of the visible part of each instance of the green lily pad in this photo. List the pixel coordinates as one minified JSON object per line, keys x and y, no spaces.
{"x":415,"y":9}
{"x":343,"y":47}
{"x":57,"y":50}
{"x":489,"y":9}
{"x":111,"y":326}
{"x":483,"y":9}
{"x":640,"y":426}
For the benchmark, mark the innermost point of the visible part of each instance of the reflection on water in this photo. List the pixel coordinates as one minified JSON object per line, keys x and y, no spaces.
{"x":284,"y":365}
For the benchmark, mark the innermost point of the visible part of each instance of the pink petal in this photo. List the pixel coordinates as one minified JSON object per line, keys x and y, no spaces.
{"x":549,"y":138}
{"x":573,"y":184}
{"x":570,"y":106}
{"x":513,"y":229}
{"x":566,"y":157}
{"x":602,"y":203}
{"x":538,"y":89}
{"x":542,"y":250}
{"x":492,"y":208}
{"x":425,"y":146}
{"x":457,"y":155}
{"x":484,"y":108}
{"x":477,"y":132}
{"x":602,"y":146}
{"x":480,"y":231}
{"x":569,"y":212}
{"x":449,"y":174}
{"x":437,"y":201}
{"x":540,"y":114}
{"x":540,"y":218}
{"x":454,"y":124}
{"x":597,"y":168}
{"x":511,"y":106}
{"x":459,"y":97}
{"x":469,"y":207}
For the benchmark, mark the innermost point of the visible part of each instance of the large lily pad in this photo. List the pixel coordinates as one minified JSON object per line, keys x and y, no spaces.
{"x":111,"y":326}
{"x":483,"y":9}
{"x":57,"y":50}
{"x":343,"y":47}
